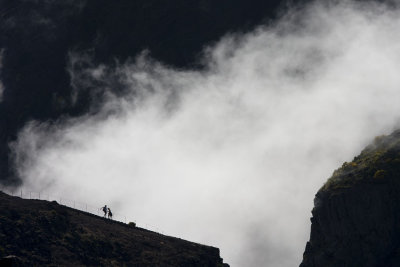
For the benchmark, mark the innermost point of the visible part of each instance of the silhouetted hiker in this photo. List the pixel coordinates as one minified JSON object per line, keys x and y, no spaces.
{"x":109,"y":214}
{"x":104,"y":210}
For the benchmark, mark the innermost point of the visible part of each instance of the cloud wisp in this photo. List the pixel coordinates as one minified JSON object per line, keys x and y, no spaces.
{"x":231,"y":155}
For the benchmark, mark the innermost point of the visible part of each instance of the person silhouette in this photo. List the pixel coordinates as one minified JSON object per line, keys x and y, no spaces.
{"x":109,"y":214}
{"x":105,"y":210}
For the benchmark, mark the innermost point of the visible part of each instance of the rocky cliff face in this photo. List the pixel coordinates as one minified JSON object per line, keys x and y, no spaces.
{"x":356,"y":218}
{"x":41,"y":233}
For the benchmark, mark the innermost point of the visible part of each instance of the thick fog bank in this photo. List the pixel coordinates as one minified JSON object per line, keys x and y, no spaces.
{"x":230,"y":156}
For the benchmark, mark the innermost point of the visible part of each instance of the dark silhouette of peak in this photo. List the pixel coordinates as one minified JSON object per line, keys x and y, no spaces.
{"x":42,"y":233}
{"x":356,"y":218}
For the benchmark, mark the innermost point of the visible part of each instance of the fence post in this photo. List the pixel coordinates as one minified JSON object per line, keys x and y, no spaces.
{"x":39,"y":195}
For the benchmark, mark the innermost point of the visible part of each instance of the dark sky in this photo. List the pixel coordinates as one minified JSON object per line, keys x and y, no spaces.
{"x":36,"y":38}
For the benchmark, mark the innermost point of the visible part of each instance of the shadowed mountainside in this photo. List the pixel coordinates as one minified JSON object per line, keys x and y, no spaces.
{"x":42,"y":233}
{"x":356,"y":218}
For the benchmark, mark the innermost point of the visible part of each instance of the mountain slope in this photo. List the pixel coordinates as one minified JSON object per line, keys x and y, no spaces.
{"x":356,"y":218}
{"x":47,"y":234}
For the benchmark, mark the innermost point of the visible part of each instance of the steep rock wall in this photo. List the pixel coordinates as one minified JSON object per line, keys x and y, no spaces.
{"x":356,"y":218}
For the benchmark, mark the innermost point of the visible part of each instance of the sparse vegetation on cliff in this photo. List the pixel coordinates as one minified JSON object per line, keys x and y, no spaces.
{"x":356,"y":213}
{"x":380,"y":160}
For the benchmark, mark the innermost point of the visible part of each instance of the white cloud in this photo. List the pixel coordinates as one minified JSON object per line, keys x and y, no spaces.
{"x":232,"y":156}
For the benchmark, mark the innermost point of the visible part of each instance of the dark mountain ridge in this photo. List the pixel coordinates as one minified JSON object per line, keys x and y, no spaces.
{"x":356,"y":218}
{"x":42,"y":233}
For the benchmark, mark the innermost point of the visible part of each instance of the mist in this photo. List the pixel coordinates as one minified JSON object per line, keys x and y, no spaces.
{"x":233,"y":154}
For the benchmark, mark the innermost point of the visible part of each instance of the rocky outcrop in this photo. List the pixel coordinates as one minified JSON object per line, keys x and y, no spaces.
{"x":11,"y":261}
{"x":42,"y":233}
{"x":356,"y":218}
